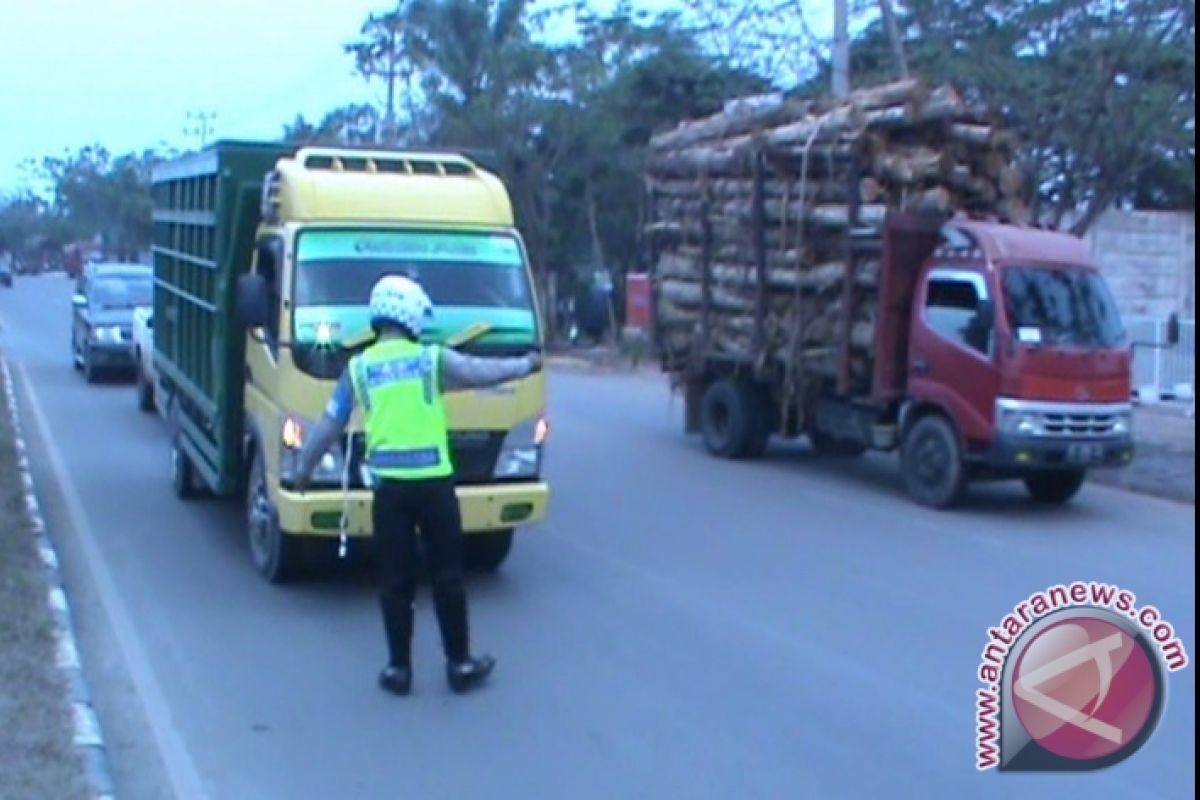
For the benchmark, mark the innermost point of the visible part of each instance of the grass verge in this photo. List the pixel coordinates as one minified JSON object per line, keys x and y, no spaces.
{"x":38,"y":757}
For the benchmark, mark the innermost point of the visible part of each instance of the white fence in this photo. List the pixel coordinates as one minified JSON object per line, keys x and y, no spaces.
{"x":1161,"y":372}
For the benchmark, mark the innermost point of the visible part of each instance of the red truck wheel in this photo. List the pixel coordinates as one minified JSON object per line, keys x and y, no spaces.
{"x":932,"y":465}
{"x":733,"y":420}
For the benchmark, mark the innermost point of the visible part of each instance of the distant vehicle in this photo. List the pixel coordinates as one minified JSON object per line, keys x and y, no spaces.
{"x":143,"y":357}
{"x":6,"y":270}
{"x":102,"y":326}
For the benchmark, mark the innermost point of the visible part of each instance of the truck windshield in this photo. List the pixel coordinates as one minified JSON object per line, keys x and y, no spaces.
{"x":1061,"y":307}
{"x":471,"y":277}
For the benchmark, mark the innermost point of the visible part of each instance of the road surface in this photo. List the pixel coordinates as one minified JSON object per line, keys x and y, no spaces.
{"x":680,"y":627}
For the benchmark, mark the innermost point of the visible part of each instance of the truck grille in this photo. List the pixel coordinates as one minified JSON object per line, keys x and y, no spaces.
{"x":1081,"y":425}
{"x":473,"y":453}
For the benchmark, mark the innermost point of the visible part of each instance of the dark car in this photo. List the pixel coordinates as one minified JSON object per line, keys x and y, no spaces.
{"x":6,"y":270}
{"x":102,"y":330}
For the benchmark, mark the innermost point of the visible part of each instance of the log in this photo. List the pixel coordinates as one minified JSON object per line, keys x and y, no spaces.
{"x":692,"y":295}
{"x":891,"y":117}
{"x":725,"y":124}
{"x":831,"y":124}
{"x":700,"y":161}
{"x":912,"y":166}
{"x":871,"y":190}
{"x":818,"y":277}
{"x":734,"y":188}
{"x":943,"y":104}
{"x":889,"y":94}
{"x":1011,"y":181}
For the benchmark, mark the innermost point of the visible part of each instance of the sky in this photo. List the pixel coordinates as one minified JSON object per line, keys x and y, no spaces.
{"x":126,"y":73}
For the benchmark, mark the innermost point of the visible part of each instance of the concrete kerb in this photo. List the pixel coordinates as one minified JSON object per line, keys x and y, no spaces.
{"x":89,"y":739}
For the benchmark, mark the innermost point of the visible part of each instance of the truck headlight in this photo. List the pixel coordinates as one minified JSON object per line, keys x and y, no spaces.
{"x":293,"y":431}
{"x":1019,"y":423}
{"x":1123,"y":424}
{"x":521,"y":453}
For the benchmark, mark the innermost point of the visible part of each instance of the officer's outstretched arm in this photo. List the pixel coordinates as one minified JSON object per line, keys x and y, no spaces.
{"x":461,"y":371}
{"x":327,"y":429}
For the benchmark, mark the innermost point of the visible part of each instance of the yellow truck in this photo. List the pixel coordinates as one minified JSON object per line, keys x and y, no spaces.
{"x":244,"y":367}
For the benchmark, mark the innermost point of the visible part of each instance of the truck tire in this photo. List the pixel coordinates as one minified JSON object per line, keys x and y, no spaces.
{"x":729,"y":420}
{"x":183,"y":474}
{"x":145,"y":391}
{"x":277,"y":555}
{"x":931,"y":462}
{"x":1054,"y":488}
{"x":485,"y":552}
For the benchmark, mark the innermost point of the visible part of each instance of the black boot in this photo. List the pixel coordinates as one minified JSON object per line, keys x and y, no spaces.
{"x":469,"y":673}
{"x":397,"y":680}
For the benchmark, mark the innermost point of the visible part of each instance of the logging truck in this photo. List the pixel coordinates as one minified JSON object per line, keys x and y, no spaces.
{"x":861,"y":273}
{"x":996,"y":352}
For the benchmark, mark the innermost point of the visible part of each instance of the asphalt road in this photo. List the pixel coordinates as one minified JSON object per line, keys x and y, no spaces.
{"x":681,"y":627}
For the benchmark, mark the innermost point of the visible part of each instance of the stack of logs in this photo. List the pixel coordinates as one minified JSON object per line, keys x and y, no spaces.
{"x":821,"y":168}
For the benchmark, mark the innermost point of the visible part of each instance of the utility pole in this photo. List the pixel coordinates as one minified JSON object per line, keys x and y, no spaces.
{"x":841,"y":49}
{"x":200,"y":125}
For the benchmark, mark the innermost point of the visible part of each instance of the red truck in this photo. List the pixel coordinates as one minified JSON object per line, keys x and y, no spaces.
{"x":998,"y":353}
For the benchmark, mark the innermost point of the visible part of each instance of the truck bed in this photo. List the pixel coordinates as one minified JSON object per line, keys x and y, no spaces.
{"x":206,"y":209}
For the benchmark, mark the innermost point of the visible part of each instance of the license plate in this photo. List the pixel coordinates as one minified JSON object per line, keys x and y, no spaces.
{"x":1085,"y":453}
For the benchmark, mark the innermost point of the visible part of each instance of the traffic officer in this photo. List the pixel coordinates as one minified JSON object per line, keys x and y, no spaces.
{"x":398,"y":382}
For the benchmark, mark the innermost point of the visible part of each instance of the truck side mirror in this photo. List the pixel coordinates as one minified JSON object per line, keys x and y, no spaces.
{"x":1173,"y":330}
{"x":253,"y":306}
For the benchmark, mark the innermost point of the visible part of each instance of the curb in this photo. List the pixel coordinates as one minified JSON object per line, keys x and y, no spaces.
{"x":89,"y":740}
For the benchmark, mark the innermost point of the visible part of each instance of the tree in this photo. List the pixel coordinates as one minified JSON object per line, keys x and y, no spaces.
{"x":357,"y":124}
{"x":98,"y":194}
{"x":1103,"y":91}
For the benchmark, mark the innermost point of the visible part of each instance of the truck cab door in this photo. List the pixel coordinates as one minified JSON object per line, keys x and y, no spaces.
{"x":262,"y":347}
{"x":952,"y":354}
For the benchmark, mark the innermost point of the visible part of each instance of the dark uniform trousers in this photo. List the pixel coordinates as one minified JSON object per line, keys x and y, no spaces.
{"x":401,"y":508}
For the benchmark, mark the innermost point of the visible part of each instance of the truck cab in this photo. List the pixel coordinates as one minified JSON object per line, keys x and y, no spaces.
{"x":1017,"y":364}
{"x":265,"y":261}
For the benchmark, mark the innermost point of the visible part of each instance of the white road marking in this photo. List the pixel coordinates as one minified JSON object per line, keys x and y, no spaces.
{"x":181,"y":770}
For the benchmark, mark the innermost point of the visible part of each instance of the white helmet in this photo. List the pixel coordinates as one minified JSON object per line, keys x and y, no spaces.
{"x":402,"y":301}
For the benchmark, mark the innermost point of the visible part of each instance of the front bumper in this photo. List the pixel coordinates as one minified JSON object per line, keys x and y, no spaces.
{"x":1018,"y":453}
{"x":112,"y":355}
{"x":489,"y":507}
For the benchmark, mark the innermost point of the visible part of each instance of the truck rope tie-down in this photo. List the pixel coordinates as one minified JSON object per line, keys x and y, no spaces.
{"x":798,"y":317}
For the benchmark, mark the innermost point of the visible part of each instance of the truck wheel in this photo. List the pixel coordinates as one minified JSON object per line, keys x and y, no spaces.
{"x":1054,"y":488}
{"x":183,"y":474}
{"x":145,"y":392}
{"x":485,"y":552}
{"x":931,"y":461}
{"x":277,"y":555}
{"x":727,"y":419}
{"x":826,"y":445}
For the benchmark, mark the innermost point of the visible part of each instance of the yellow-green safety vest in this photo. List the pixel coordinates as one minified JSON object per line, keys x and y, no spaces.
{"x":397,"y":383}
